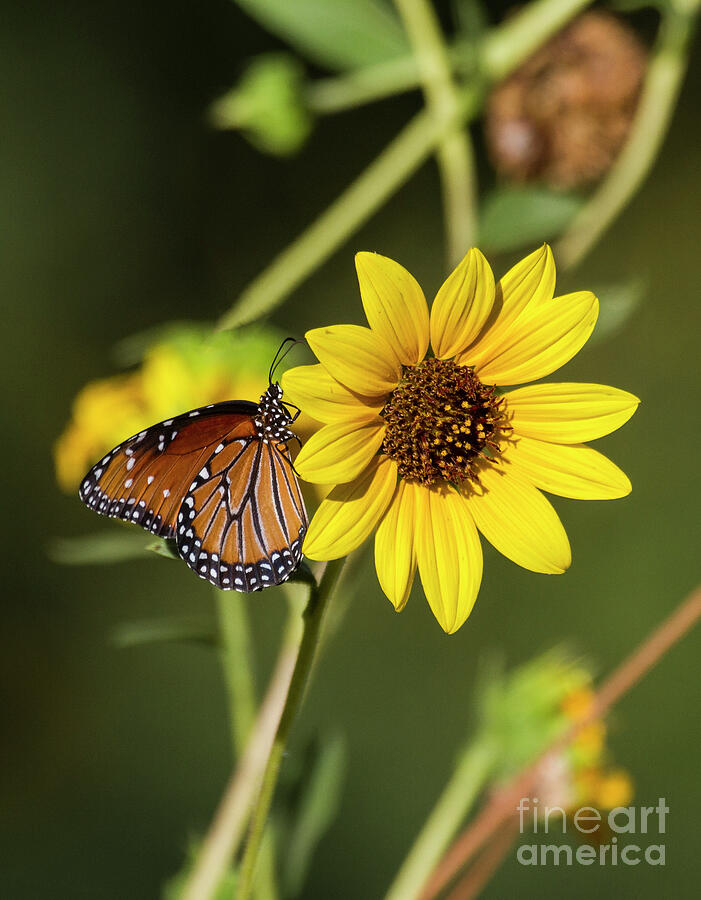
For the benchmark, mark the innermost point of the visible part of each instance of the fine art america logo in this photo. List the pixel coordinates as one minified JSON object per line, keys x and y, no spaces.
{"x":623,"y":836}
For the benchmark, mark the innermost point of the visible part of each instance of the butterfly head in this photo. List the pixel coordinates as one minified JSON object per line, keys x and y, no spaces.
{"x":274,"y":417}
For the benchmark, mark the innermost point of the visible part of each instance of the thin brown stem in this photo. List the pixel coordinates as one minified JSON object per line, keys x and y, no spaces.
{"x":486,"y":864}
{"x":505,"y":801}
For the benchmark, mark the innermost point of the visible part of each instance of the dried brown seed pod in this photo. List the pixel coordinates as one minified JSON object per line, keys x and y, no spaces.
{"x":563,"y":116}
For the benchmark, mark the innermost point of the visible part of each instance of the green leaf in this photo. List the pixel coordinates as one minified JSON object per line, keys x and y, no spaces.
{"x":617,"y":305}
{"x":108,"y":547}
{"x":514,"y":217}
{"x":339,"y":34}
{"x":471,"y":18}
{"x":317,"y":809}
{"x":99,"y":549}
{"x":185,"y":629}
{"x":165,"y":547}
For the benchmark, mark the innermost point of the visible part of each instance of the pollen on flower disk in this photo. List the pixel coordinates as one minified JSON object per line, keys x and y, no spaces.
{"x":442,"y":422}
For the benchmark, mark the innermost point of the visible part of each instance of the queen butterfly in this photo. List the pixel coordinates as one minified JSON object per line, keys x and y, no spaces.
{"x":220,"y":481}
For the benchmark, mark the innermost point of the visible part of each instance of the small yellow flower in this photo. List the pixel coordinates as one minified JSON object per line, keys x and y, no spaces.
{"x":580,"y":775}
{"x":588,"y":745}
{"x":589,"y":742}
{"x":602,"y":788}
{"x":614,"y":789}
{"x":186,"y":369}
{"x":427,"y":450}
{"x":104,"y":412}
{"x":578,"y":703}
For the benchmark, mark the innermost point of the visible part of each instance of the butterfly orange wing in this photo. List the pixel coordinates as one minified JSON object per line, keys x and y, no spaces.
{"x":242,"y":524}
{"x":144,"y":479}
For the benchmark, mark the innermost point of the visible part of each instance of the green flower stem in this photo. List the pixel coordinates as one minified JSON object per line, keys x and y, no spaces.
{"x":452,"y":807}
{"x":228,"y":826}
{"x":665,"y":74}
{"x":507,"y":46}
{"x":361,"y":86}
{"x":391,"y":168}
{"x":454,"y":153}
{"x":266,"y":884}
{"x":504,"y":49}
{"x":238,"y":664}
{"x":312,"y":619}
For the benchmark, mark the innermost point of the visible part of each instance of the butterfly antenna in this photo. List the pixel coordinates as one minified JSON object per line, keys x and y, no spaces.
{"x":280,"y":355}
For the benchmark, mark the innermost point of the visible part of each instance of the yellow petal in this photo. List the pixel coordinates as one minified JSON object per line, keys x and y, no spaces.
{"x":542,"y":341}
{"x":394,"y":305}
{"x":336,"y":454}
{"x":569,"y":470}
{"x":359,"y":358}
{"x":529,"y":284}
{"x":325,"y":399}
{"x":449,"y":555}
{"x":395,"y":559}
{"x":517,"y":519}
{"x":568,"y":413}
{"x":462,"y":306}
{"x":351,"y":511}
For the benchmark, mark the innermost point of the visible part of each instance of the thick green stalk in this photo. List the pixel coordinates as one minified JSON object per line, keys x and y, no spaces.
{"x":504,"y":49}
{"x":454,"y":152}
{"x":238,"y":664}
{"x":313,"y":617}
{"x":360,"y":86}
{"x":385,"y":174}
{"x":501,"y":49}
{"x":447,"y":815}
{"x":512,"y":42}
{"x":228,"y":826}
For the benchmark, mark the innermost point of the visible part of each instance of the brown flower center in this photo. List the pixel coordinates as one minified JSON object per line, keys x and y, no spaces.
{"x":443,"y":423}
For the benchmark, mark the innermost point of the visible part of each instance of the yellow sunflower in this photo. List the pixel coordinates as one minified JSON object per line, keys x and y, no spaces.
{"x":424,"y":447}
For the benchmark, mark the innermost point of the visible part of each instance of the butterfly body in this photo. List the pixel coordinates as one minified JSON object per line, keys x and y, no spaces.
{"x":220,"y":482}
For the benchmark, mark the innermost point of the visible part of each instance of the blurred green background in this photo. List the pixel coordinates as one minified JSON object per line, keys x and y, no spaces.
{"x":121,"y":209}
